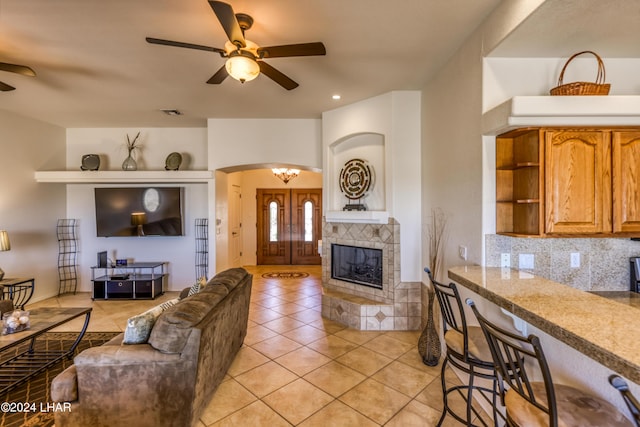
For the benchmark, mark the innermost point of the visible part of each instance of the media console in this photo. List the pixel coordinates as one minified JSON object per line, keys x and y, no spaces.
{"x":138,"y":280}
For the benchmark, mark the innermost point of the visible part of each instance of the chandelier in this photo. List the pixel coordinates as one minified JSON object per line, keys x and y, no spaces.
{"x":285,"y":174}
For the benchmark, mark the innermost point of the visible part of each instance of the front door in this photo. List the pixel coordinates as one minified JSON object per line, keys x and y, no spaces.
{"x":289,"y":226}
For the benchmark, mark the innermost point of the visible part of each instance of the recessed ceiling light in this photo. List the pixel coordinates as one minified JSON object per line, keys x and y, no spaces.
{"x":172,"y":112}
{"x":336,"y":97}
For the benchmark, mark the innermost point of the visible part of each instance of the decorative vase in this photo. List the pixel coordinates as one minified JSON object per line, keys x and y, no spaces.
{"x":129,"y":164}
{"x":429,"y":341}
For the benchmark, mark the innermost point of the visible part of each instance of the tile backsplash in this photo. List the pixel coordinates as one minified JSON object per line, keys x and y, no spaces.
{"x":590,"y":264}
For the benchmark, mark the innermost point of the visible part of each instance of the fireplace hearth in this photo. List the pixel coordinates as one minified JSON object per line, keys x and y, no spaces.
{"x":364,"y":290}
{"x":362,"y":266}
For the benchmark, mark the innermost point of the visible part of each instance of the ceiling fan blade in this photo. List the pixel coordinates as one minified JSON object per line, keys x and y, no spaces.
{"x":229,"y":23}
{"x":19,"y":69}
{"x":5,"y":87}
{"x":277,"y":76}
{"x":219,"y":76}
{"x":185,"y":45}
{"x":301,"y":49}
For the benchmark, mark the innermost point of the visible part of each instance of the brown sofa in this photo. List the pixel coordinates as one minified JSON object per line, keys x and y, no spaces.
{"x":169,"y":380}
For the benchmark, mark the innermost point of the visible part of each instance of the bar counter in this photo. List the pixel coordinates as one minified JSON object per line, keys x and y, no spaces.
{"x":604,"y":329}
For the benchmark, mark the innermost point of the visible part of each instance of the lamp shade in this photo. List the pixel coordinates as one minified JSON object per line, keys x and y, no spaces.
{"x":138,"y":218}
{"x":5,"y":245}
{"x":242,"y":67}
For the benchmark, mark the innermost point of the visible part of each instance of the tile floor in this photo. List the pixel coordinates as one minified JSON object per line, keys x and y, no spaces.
{"x":296,"y":368}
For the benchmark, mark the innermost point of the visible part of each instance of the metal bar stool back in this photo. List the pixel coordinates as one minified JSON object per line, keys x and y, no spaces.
{"x":632,"y":403}
{"x":540,"y":403}
{"x":468,"y":352}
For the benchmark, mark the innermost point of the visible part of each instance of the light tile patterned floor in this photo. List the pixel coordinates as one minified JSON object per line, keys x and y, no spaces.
{"x":296,"y":368}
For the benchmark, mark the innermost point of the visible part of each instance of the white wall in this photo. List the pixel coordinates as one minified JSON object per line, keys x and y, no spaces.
{"x":29,"y":211}
{"x":504,"y":78}
{"x":395,"y":116}
{"x":235,"y":142}
{"x":157,"y":143}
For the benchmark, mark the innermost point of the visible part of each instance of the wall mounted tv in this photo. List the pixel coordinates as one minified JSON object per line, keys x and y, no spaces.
{"x":158,"y":211}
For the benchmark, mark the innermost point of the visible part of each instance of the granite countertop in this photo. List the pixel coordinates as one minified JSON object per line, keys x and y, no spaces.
{"x":601,"y":328}
{"x":631,"y":299}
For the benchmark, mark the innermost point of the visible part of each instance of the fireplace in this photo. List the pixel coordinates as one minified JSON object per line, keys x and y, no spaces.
{"x":381,"y":304}
{"x":354,"y":264}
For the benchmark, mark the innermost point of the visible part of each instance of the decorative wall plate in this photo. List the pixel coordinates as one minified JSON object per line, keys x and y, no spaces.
{"x":90,"y":162}
{"x":173,"y":162}
{"x":356,"y":178}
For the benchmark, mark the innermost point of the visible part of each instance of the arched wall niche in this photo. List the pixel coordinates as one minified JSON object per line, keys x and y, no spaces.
{"x":367,"y":146}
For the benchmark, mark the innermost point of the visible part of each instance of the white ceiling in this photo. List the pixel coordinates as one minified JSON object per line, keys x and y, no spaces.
{"x":95,"y":69}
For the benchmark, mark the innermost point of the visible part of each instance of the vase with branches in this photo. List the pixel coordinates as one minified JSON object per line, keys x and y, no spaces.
{"x":429,"y":341}
{"x":130,"y":163}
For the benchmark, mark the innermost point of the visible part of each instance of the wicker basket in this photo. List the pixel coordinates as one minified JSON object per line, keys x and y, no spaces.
{"x":583,"y":88}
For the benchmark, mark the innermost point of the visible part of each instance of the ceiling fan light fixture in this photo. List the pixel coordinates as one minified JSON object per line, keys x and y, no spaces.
{"x":242,"y":66}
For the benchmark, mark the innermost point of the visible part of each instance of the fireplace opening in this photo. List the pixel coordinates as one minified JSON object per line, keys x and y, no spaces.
{"x":357,"y":265}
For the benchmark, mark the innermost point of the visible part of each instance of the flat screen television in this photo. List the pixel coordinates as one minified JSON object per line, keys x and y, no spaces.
{"x":158,"y":211}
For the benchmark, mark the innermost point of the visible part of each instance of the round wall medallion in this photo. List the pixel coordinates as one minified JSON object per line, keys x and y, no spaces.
{"x":90,"y":162}
{"x":173,"y":161}
{"x":356,"y":178}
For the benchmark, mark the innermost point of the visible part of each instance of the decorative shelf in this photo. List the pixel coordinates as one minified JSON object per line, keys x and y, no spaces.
{"x":535,"y":111}
{"x":87,"y":177}
{"x":367,"y":217}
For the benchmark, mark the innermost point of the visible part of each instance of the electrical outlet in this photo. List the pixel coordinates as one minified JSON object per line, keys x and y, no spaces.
{"x":505,"y":260}
{"x":525,"y":261}
{"x":575,"y":259}
{"x":462,"y":252}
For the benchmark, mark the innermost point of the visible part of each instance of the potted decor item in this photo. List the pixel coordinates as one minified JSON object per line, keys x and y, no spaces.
{"x":429,"y":341}
{"x":129,"y":163}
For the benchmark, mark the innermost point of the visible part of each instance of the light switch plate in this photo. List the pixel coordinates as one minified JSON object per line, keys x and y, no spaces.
{"x":575,"y":259}
{"x":526,"y":261}
{"x":462,"y":252}
{"x":505,"y":260}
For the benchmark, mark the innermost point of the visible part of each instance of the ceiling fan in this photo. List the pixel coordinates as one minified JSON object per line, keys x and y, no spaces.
{"x":13,"y":68}
{"x":245,"y":58}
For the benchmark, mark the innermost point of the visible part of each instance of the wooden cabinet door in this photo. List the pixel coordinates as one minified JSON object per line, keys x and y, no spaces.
{"x":626,"y":181}
{"x":577,"y":182}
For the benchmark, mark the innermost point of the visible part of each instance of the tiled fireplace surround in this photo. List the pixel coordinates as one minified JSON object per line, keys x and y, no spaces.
{"x":397,"y":306}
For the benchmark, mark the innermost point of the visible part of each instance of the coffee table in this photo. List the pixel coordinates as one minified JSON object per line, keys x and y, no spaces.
{"x":17,"y":368}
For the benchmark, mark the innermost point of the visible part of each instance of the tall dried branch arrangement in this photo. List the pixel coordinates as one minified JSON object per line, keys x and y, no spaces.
{"x":437,"y":239}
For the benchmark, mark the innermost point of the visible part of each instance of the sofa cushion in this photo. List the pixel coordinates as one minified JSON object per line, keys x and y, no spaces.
{"x":139,"y":327}
{"x":229,"y":278}
{"x":173,"y":327}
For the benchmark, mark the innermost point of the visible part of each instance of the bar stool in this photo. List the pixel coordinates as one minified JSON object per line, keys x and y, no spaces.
{"x":467,"y":350}
{"x":534,"y":403}
{"x":632,"y":403}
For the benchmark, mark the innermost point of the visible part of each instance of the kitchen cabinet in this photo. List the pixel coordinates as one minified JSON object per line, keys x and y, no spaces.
{"x":626,"y":181}
{"x":568,"y":182}
{"x":577,"y":181}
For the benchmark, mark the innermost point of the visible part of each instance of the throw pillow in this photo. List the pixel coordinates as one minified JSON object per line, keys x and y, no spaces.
{"x":197,"y":286}
{"x":139,"y":327}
